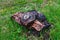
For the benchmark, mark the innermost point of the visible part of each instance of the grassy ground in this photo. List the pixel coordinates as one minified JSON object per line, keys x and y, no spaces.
{"x":10,"y":30}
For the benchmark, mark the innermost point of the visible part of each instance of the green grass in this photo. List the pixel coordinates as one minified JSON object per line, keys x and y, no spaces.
{"x":10,"y":30}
